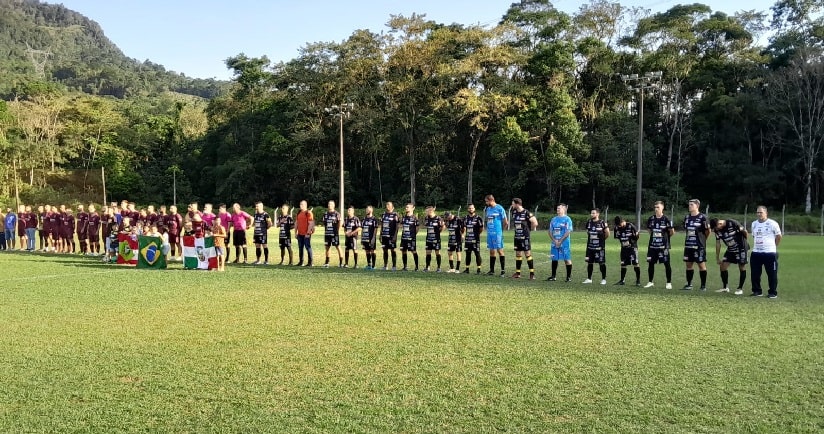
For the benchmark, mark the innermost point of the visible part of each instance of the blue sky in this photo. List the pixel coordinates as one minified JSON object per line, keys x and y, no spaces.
{"x":195,"y":37}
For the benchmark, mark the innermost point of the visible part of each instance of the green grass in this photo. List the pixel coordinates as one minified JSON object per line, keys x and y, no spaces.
{"x":97,"y":348}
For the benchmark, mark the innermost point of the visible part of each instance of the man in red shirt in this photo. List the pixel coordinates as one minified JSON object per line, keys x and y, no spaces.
{"x":304,"y":228}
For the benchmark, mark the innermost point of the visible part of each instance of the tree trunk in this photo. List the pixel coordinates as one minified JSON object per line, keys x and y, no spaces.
{"x":472,"y":156}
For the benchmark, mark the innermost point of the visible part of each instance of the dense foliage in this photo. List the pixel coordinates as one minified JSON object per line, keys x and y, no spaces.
{"x":533,"y":107}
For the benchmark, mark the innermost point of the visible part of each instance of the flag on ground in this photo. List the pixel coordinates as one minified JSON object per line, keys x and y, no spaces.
{"x":126,"y":249}
{"x":199,"y":253}
{"x":150,"y":254}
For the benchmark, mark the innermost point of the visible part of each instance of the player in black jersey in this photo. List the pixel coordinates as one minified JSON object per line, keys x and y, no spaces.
{"x":455,"y":229}
{"x":351,"y":228}
{"x":389,"y":235}
{"x":627,"y":235}
{"x":597,"y":233}
{"x":735,"y":237}
{"x":331,"y":232}
{"x":524,"y":223}
{"x":369,"y":229}
{"x":409,"y":234}
{"x":434,"y":225}
{"x":473,"y":227}
{"x":262,"y":222}
{"x":697,"y":229}
{"x":660,"y":231}
{"x":285,"y":224}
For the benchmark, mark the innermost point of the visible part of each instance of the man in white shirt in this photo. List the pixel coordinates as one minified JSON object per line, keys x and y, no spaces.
{"x":766,"y":236}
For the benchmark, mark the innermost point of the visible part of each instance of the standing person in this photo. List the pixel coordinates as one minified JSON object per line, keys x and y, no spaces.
{"x":21,"y":227}
{"x":240,"y":221}
{"x":409,"y":235}
{"x":174,"y":223}
{"x":55,"y":223}
{"x":10,"y":228}
{"x":767,"y":236}
{"x":389,"y":235}
{"x":285,"y":224}
{"x":734,"y":236}
{"x":597,"y":233}
{"x":454,"y":244}
{"x":560,"y":230}
{"x":369,"y":230}
{"x":524,"y":223}
{"x":67,"y":234}
{"x":627,"y":235}
{"x":304,"y":228}
{"x":260,"y":235}
{"x":226,"y":221}
{"x":106,"y":224}
{"x":219,"y":234}
{"x":93,"y":231}
{"x":661,"y":230}
{"x":42,"y":231}
{"x":496,"y":223}
{"x":83,"y":229}
{"x":152,"y":216}
{"x":697,"y":229}
{"x":434,"y":225}
{"x":351,"y":228}
{"x":208,"y":216}
{"x":473,"y":228}
{"x":31,"y":228}
{"x":331,"y":232}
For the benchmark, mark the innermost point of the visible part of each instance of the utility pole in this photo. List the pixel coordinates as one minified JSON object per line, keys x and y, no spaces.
{"x":341,"y":111}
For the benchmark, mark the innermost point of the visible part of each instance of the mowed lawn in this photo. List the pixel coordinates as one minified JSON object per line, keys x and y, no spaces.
{"x":88,"y":347}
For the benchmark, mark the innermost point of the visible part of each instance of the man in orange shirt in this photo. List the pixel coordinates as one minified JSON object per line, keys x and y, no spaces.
{"x":304,"y":228}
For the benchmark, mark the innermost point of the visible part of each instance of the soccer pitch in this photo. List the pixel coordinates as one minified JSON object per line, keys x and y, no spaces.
{"x":101,"y":348}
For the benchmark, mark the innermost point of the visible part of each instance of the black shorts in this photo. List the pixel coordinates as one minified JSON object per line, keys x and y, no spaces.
{"x":260,"y":238}
{"x":473,"y":246}
{"x":82,"y":236}
{"x":285,"y":242}
{"x":522,"y":245}
{"x":239,"y":238}
{"x":331,"y":240}
{"x":388,"y":242}
{"x":454,"y":247}
{"x":433,"y":245}
{"x":698,"y":255}
{"x":351,"y":243}
{"x":629,"y":256}
{"x":368,"y":244}
{"x":735,"y":257}
{"x":595,"y":256}
{"x":658,"y":256}
{"x":409,"y":245}
{"x":93,"y":237}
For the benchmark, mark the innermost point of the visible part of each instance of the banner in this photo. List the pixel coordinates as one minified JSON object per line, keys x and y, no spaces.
{"x":199,"y":253}
{"x":150,"y":254}
{"x":126,"y":250}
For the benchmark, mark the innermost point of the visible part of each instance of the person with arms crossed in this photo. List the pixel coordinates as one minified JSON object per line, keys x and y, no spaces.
{"x":524,"y":223}
{"x":285,"y":224}
{"x":560,"y":230}
{"x":304,"y":228}
{"x":434,"y":225}
{"x":455,"y":230}
{"x":262,"y":222}
{"x":767,"y":236}
{"x":597,"y":234}
{"x":473,"y":228}
{"x":496,"y":223}
{"x":409,"y":235}
{"x":368,"y":232}
{"x":331,"y":232}
{"x":627,"y":235}
{"x":697,"y":229}
{"x":389,"y":235}
{"x":734,"y":236}
{"x":661,"y":230}
{"x":240,"y":221}
{"x":351,"y":229}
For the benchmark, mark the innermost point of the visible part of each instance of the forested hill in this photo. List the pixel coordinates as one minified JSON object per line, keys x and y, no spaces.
{"x":74,"y":51}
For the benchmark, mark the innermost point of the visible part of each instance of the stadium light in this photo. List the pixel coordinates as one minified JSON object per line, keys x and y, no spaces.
{"x":641,"y":83}
{"x":341,"y":111}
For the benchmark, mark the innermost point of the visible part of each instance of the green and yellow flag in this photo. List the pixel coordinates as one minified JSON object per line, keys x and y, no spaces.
{"x":150,"y":252}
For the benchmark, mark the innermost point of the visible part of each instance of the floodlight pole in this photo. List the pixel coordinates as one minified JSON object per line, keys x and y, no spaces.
{"x":640,"y":83}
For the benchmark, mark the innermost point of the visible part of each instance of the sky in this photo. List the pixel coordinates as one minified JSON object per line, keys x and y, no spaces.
{"x":195,"y":37}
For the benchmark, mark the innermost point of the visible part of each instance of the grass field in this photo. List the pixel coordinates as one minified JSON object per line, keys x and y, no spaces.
{"x":87,"y":347}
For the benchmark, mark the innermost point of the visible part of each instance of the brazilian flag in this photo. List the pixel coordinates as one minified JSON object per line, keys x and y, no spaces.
{"x":150,"y":252}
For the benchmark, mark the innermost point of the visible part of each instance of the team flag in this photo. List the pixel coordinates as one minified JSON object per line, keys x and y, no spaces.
{"x":150,"y":254}
{"x":199,"y":253}
{"x":126,"y":249}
